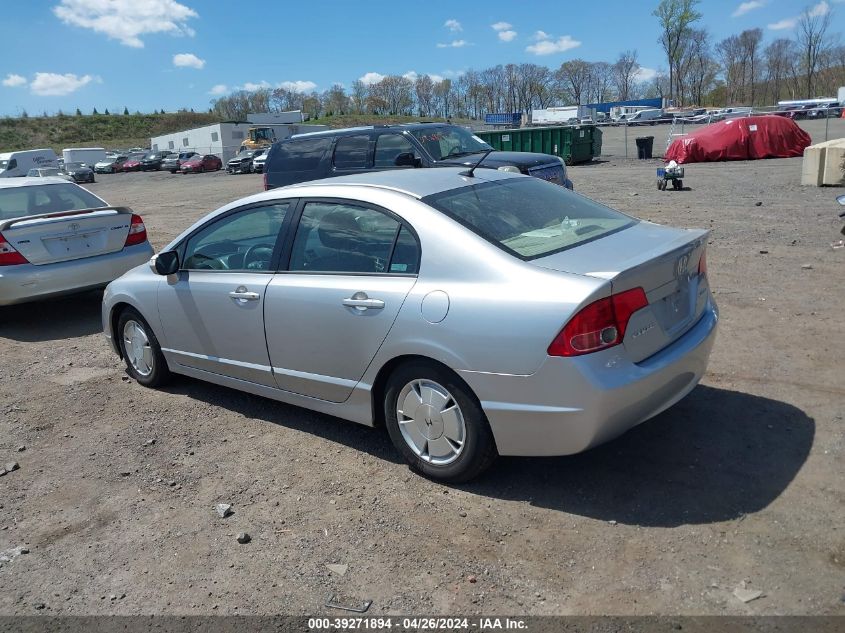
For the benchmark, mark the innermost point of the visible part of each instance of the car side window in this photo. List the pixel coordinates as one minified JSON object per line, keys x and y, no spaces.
{"x":388,"y":147}
{"x":346,"y":238}
{"x":242,"y":241}
{"x":352,"y":152}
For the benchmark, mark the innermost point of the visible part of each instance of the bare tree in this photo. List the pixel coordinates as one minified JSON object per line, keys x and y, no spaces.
{"x":625,"y":74}
{"x":575,"y":76}
{"x":358,"y":96}
{"x":777,"y":56}
{"x":335,"y":100}
{"x":813,"y":40}
{"x":730,"y":54}
{"x":749,"y":41}
{"x":601,"y":79}
{"x":424,"y":90}
{"x":675,"y":17}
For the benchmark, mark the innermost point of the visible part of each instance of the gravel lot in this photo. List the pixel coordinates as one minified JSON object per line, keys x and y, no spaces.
{"x":739,"y":484}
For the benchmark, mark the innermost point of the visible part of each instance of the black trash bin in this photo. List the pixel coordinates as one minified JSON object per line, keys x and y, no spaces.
{"x":645,"y":144}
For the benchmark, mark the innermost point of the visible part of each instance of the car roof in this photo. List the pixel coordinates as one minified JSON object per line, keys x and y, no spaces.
{"x":418,"y":183}
{"x":7,"y":183}
{"x":369,"y":128}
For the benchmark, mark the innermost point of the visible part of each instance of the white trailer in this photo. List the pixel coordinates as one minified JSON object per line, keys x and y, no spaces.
{"x":221,"y":139}
{"x":559,"y":115}
{"x":88,"y":155}
{"x":620,"y":113}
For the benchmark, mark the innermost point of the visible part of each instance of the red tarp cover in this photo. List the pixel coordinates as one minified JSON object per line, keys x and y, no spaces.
{"x":746,"y":138}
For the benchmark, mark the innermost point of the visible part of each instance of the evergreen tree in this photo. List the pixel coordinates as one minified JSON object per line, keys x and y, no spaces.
{"x":125,"y":110}
{"x":78,"y":112}
{"x":95,"y":111}
{"x":106,"y":112}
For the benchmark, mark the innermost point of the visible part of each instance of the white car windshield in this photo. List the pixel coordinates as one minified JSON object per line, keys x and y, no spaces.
{"x":18,"y":202}
{"x":3,"y":164}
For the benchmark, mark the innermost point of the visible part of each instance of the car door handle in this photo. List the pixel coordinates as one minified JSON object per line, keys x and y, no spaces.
{"x":242,"y":294}
{"x":363,"y":303}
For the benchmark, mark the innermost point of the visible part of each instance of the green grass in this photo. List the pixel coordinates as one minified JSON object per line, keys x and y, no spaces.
{"x":98,"y":130}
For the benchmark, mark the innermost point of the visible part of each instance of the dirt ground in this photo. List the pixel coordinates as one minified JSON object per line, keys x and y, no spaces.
{"x":740,"y":483}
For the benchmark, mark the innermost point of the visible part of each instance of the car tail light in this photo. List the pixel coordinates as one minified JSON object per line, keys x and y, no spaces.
{"x":264,"y":179}
{"x":702,"y":263}
{"x":599,"y":325}
{"x":137,"y":231}
{"x":8,"y":255}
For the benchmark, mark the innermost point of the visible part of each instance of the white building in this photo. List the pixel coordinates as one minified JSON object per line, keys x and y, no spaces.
{"x":221,"y":139}
{"x":291,"y":116}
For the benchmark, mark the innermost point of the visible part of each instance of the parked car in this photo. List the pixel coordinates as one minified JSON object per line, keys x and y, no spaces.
{"x":473,"y":313}
{"x":80,"y":172}
{"x":15,"y":164}
{"x":587,"y":120}
{"x":132,"y":163}
{"x":110,"y":165}
{"x":242,"y":162}
{"x":48,"y":172}
{"x":356,"y":150}
{"x":828,"y":110}
{"x":201,"y":163}
{"x":173,"y":162}
{"x":152,"y":161}
{"x":259,"y":161}
{"x":58,"y":238}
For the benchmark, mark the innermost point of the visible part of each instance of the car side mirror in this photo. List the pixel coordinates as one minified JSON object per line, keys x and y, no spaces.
{"x":166,"y":263}
{"x":841,"y":199}
{"x":406,"y":159}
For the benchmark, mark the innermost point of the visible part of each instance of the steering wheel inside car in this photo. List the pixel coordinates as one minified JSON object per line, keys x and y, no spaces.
{"x":258,"y":254}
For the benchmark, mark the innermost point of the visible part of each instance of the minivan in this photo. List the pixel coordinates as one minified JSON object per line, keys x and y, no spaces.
{"x":356,"y":150}
{"x":643,"y":117}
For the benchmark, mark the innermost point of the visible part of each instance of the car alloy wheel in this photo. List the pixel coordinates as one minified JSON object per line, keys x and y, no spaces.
{"x":136,"y":346}
{"x":431,"y":422}
{"x":436,"y":422}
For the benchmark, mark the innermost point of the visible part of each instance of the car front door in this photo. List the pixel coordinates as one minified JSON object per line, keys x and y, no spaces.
{"x":212,"y":310}
{"x":351,"y":268}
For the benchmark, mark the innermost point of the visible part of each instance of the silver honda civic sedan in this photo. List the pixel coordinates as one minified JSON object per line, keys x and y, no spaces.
{"x":472,"y":314}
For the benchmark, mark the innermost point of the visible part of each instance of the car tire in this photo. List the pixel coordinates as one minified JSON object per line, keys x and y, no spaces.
{"x":140,"y":350}
{"x":471,"y":448}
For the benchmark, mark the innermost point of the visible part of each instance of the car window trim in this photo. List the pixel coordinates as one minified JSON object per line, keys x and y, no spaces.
{"x":284,"y":264}
{"x":278,"y":247}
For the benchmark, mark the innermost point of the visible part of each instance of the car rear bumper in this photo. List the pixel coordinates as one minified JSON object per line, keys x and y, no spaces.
{"x":27,"y":282}
{"x":572,"y":404}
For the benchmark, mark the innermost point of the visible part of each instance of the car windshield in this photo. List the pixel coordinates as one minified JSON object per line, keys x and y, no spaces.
{"x":18,"y":202}
{"x":528,"y":217}
{"x":74,"y":166}
{"x":3,"y":164}
{"x":246,"y":154}
{"x":449,"y":142}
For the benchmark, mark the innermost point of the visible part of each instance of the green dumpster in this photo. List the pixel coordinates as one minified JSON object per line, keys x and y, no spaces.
{"x":576,"y":144}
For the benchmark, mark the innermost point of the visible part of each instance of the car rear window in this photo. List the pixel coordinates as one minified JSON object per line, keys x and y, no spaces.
{"x":299,"y":155}
{"x":528,"y":217}
{"x":18,"y":202}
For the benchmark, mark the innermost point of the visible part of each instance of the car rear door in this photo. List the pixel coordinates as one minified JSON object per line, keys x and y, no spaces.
{"x":352,"y":154}
{"x":351,"y":268}
{"x":212,"y":310}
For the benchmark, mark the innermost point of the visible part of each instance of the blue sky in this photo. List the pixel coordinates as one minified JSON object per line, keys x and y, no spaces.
{"x":153,"y":54}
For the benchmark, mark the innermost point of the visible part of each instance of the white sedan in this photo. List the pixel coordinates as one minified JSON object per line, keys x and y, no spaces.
{"x":58,"y":238}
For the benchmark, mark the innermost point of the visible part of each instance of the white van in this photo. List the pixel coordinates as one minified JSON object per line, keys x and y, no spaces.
{"x":643,"y":117}
{"x":88,"y":155}
{"x":13,"y":164}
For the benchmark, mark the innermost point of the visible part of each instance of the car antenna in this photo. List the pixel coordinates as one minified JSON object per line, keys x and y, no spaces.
{"x":468,"y":172}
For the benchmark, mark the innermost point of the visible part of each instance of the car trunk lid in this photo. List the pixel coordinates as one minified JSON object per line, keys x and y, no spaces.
{"x":57,"y":237}
{"x":662,"y":261}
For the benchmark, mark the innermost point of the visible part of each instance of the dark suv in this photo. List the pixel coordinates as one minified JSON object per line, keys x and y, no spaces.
{"x":355,"y":150}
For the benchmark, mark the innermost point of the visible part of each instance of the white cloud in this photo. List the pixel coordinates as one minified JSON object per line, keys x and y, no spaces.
{"x":219,"y":89}
{"x":411,"y":75}
{"x":541,"y":35}
{"x":645,"y":74}
{"x":368,"y":79}
{"x":252,"y":87}
{"x":822,"y":8}
{"x":507,"y":36}
{"x":188,"y":60}
{"x":56,"y":85}
{"x":127,"y":20}
{"x":454,"y":44}
{"x":501,"y":26}
{"x":549,"y":47}
{"x":436,"y":78}
{"x":12,"y":80}
{"x":788,"y":23}
{"x":298,"y":86}
{"x":452,"y":74}
{"x":745,"y":7}
{"x":453,"y":25}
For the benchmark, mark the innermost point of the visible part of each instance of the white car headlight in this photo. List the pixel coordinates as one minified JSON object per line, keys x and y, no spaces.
{"x":511,"y":168}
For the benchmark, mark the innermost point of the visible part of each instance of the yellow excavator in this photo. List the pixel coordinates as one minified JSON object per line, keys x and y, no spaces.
{"x":259,"y":137}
